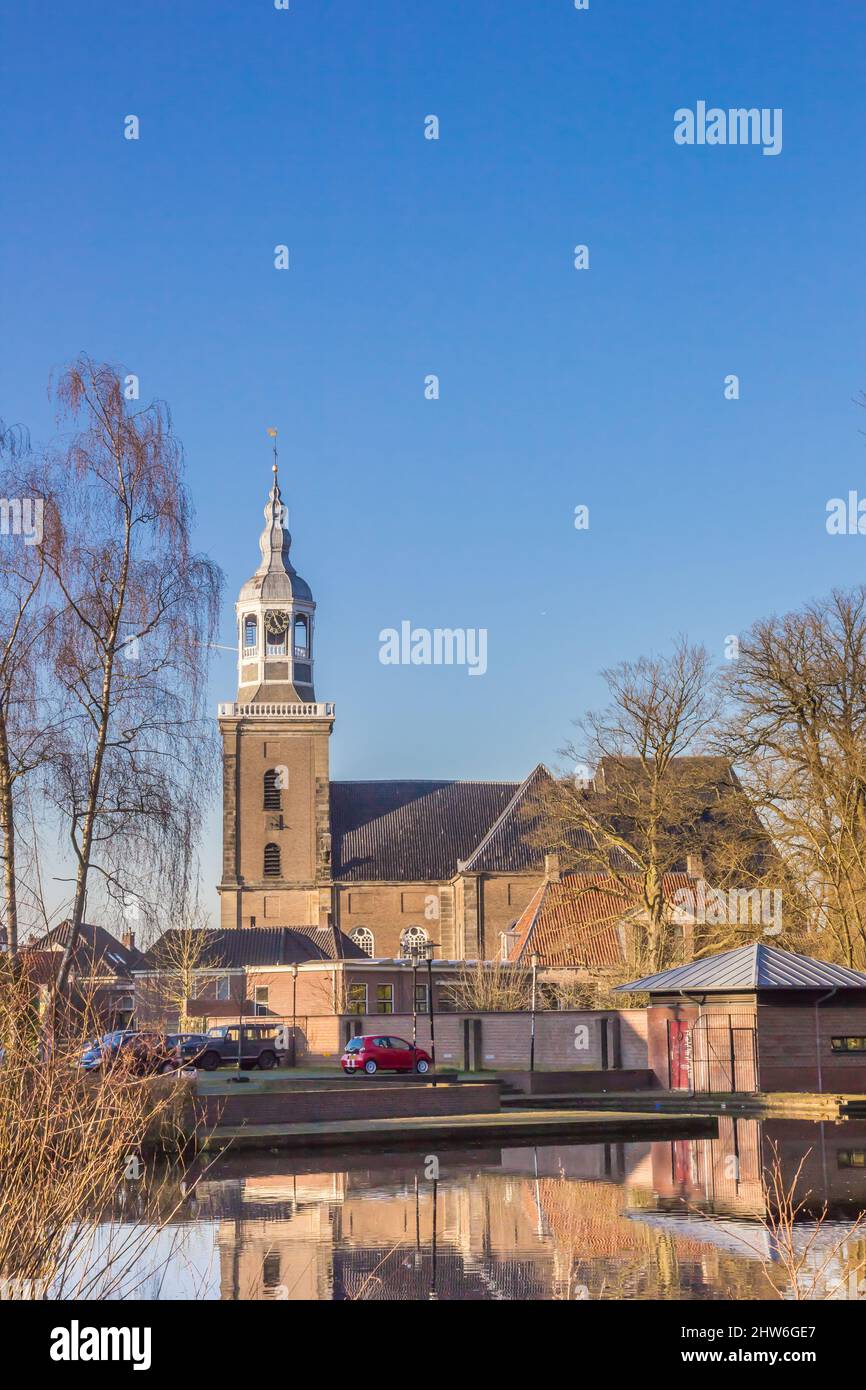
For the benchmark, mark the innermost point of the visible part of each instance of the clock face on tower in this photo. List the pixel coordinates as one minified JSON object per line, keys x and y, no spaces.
{"x":276,"y":628}
{"x":276,"y":623}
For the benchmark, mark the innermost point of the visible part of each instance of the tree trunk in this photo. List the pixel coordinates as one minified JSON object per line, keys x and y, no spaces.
{"x":7,"y":830}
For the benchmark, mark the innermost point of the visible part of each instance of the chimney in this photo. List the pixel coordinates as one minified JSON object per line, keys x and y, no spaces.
{"x":694,"y":866}
{"x":128,"y":940}
{"x":551,"y":868}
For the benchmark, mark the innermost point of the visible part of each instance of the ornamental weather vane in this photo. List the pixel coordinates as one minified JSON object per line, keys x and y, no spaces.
{"x":273,"y":434}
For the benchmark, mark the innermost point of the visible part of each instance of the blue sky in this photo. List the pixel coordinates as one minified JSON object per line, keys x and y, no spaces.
{"x":409,"y":257}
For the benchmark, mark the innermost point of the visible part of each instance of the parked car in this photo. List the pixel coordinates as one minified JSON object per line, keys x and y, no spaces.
{"x":143,"y":1053}
{"x":258,"y":1046}
{"x":384,"y":1053}
{"x":191,"y":1046}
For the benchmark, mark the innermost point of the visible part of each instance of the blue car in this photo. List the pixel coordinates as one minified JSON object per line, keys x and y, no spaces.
{"x":95,"y":1052}
{"x":143,"y":1053}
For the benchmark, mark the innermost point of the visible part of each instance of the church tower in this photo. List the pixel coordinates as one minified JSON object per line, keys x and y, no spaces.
{"x":276,"y":780}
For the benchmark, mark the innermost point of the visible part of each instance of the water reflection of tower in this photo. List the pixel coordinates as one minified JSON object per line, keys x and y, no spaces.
{"x":275,"y":1235}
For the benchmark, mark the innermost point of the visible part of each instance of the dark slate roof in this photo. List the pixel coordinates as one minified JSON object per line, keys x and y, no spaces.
{"x":750,"y":968}
{"x":236,"y":947}
{"x":410,"y":831}
{"x":97,"y":952}
{"x":512,"y":843}
{"x":506,"y":847}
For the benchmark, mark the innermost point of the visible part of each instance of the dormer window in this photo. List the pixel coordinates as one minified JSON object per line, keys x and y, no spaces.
{"x":251,"y":635}
{"x":302,"y":638}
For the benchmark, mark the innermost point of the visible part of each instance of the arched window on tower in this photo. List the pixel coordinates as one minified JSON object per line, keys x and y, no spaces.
{"x":363,"y":937}
{"x":273,"y":799}
{"x":251,"y":635}
{"x":302,"y":638}
{"x":272,"y":861}
{"x":412,"y":942}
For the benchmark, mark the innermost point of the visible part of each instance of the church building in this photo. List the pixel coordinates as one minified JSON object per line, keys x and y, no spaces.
{"x":391,"y":864}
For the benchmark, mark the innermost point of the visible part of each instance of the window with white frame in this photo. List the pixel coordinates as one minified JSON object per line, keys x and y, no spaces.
{"x":412,"y":942}
{"x":363,"y":938}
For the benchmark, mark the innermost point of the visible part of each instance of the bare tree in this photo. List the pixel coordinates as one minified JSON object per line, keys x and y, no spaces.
{"x":178,"y":957}
{"x":646,"y":801}
{"x":491,"y":987}
{"x":29,"y":529}
{"x":139,"y":612}
{"x":797,"y":728}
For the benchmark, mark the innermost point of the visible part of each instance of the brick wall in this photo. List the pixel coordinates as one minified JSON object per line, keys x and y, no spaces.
{"x":348,"y":1102}
{"x":563,"y":1040}
{"x":789,"y":1047}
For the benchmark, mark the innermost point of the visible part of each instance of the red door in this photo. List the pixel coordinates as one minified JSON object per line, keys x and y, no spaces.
{"x":680,"y":1055}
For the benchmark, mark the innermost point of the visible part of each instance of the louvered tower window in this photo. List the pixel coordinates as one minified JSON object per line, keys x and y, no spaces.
{"x":273,"y":799}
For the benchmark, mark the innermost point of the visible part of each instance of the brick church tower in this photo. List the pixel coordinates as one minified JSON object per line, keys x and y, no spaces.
{"x":276,"y":784}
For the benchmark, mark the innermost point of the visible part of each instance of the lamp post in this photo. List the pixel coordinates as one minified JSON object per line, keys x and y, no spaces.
{"x":414,"y":996}
{"x":293,"y":1050}
{"x":429,"y":948}
{"x":534,"y":962}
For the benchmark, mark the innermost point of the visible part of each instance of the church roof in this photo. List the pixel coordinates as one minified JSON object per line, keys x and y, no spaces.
{"x":750,"y":968}
{"x":513,"y":844}
{"x":411,"y":831}
{"x":506,"y":847}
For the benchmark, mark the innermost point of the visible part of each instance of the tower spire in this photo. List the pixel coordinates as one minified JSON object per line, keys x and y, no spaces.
{"x":276,"y":612}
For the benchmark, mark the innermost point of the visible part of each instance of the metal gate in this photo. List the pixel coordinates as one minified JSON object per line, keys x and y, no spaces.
{"x":724,"y":1053}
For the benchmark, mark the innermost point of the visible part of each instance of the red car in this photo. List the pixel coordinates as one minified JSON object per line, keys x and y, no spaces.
{"x":382,"y":1053}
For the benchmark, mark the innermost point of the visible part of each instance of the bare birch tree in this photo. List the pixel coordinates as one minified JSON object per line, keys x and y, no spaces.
{"x":139,"y":613}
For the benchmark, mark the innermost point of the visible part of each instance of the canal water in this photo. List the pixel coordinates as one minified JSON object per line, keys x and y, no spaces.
{"x":646,"y":1219}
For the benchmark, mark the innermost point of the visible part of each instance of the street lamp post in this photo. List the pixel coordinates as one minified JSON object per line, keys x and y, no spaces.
{"x":414,"y":996}
{"x":293,"y":1050}
{"x":428,"y":952}
{"x":534,"y":963}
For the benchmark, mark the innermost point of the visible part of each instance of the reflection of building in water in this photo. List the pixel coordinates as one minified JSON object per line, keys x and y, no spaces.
{"x":632,"y":1221}
{"x":726,"y":1174}
{"x":275,"y":1234}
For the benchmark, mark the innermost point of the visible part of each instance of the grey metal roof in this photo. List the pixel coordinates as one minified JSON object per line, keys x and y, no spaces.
{"x":749,"y":968}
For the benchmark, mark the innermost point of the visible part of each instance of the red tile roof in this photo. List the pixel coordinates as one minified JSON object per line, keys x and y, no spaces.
{"x":579,"y":921}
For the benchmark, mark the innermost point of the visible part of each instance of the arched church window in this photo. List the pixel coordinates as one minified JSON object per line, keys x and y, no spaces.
{"x":363,"y":937}
{"x":273,"y":799}
{"x":251,"y":635}
{"x":302,"y":637}
{"x":412,"y":942}
{"x":277,"y":627}
{"x":272,"y":861}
